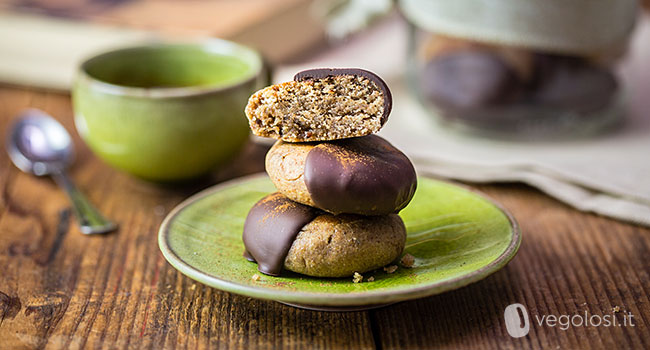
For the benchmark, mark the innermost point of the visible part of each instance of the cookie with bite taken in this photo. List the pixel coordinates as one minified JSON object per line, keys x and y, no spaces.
{"x":321,"y":105}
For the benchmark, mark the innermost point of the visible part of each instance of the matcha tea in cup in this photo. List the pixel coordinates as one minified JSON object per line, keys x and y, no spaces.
{"x":167,"y":112}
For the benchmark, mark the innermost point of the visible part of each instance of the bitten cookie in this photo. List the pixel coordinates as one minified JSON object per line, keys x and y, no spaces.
{"x":320,"y":105}
{"x":280,"y":233}
{"x":365,"y":175}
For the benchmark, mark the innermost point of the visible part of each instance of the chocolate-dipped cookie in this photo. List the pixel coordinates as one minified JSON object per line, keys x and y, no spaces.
{"x":572,"y":83}
{"x":320,"y":105}
{"x":467,"y":80}
{"x":520,"y":60}
{"x":282,"y":234}
{"x":494,"y":87}
{"x":270,"y":228}
{"x":364,"y":175}
{"x":464,"y":75}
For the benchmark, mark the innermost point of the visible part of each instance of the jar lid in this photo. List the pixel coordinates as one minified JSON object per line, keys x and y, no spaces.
{"x":565,"y":26}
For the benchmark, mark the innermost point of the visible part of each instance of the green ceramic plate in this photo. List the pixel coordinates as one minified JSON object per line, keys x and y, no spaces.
{"x":456,"y":236}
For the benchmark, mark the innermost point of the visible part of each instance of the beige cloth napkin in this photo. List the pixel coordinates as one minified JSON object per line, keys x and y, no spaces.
{"x":608,"y":175}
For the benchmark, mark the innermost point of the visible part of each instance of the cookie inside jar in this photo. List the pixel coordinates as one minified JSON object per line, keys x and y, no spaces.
{"x":518,"y":70}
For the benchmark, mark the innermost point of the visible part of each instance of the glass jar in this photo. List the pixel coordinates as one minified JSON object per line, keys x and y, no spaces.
{"x":519,"y":68}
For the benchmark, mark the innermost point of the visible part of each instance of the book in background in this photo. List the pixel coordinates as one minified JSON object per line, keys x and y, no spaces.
{"x":43,"y":41}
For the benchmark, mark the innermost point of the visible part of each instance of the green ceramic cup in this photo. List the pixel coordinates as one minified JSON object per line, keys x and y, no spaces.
{"x":167,"y":112}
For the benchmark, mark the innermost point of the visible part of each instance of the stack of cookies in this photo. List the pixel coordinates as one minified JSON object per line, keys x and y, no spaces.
{"x":339,"y":187}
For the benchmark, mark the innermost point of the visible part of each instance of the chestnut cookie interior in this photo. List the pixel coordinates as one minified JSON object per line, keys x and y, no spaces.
{"x":330,"y":105}
{"x":340,"y":245}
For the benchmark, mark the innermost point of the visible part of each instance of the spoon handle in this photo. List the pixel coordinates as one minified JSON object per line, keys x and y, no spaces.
{"x":90,"y":220}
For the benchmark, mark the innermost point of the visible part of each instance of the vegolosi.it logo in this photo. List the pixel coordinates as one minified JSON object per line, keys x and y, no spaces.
{"x":518,"y":321}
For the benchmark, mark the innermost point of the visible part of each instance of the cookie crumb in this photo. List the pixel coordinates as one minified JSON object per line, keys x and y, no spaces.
{"x":371,"y":279}
{"x":390,"y":269}
{"x":357,"y":278}
{"x":617,"y":309}
{"x":407,"y":260}
{"x":159,"y":210}
{"x":256,"y":277}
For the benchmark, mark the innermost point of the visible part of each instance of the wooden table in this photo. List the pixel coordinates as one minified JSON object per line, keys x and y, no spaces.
{"x":61,"y":289}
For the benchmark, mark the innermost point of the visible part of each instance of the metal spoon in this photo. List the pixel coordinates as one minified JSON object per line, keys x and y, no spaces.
{"x":38,"y":144}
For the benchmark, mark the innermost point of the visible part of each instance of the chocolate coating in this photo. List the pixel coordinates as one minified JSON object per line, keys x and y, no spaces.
{"x":468,"y":79}
{"x":271,"y":227}
{"x":362,"y":175}
{"x":572,"y":83}
{"x":320,"y":73}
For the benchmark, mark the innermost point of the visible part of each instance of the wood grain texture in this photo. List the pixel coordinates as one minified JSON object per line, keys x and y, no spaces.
{"x":60,"y":289}
{"x":568,"y":262}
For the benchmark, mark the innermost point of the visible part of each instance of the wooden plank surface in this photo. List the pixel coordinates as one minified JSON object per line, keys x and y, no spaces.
{"x":60,"y":289}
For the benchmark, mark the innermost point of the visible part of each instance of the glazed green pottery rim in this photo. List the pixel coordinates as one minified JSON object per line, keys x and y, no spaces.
{"x":350,"y":299}
{"x":211,"y":45}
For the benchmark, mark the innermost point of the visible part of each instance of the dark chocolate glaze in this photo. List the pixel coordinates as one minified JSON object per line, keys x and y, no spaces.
{"x":362,"y":175}
{"x":468,"y":79}
{"x":270,"y":229}
{"x":321,"y":73}
{"x":572,"y":83}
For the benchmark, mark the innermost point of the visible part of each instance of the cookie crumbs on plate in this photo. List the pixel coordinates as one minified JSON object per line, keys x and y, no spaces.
{"x":255,"y":277}
{"x":357,"y":278}
{"x":371,"y":279}
{"x":159,"y":210}
{"x":390,"y":269}
{"x":407,"y":260}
